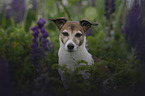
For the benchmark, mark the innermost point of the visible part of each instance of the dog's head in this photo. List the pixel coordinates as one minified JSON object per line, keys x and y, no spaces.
{"x":72,"y":33}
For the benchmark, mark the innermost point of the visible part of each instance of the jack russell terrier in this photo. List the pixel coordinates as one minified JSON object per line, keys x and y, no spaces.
{"x":72,"y":43}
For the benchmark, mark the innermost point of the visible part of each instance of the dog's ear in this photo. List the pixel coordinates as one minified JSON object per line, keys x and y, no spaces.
{"x":59,"y":22}
{"x":87,"y":24}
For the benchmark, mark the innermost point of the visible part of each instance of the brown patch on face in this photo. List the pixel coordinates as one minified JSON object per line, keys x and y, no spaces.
{"x":71,"y":25}
{"x":72,"y":28}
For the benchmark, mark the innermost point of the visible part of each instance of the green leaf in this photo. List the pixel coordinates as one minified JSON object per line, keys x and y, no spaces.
{"x":90,"y":13}
{"x":101,"y":35}
{"x":82,"y":61}
{"x":55,"y":66}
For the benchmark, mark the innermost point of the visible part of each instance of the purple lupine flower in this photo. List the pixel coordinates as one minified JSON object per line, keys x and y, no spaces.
{"x":134,"y":29}
{"x":34,"y":39}
{"x":41,"y":22}
{"x":40,"y":44}
{"x":44,"y":33}
{"x":93,"y":2}
{"x":17,"y":10}
{"x":45,"y":46}
{"x":34,"y":45}
{"x":45,"y":40}
{"x":112,"y":5}
{"x":89,"y":32}
{"x":109,"y":8}
{"x":34,"y":28}
{"x":36,"y":33}
{"x":40,"y":38}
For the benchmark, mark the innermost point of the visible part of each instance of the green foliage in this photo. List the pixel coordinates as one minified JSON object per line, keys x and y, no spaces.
{"x":15,"y":47}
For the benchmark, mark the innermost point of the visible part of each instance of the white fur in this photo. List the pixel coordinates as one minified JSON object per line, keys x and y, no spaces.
{"x":70,"y":58}
{"x":68,"y":42}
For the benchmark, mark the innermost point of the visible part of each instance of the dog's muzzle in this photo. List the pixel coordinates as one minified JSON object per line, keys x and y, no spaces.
{"x":70,"y":47}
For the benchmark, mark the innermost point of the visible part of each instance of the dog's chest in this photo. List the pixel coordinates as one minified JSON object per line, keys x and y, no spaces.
{"x":71,"y":59}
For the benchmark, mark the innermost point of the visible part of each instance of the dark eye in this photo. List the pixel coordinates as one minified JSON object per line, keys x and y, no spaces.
{"x":78,"y":35}
{"x":65,"y":34}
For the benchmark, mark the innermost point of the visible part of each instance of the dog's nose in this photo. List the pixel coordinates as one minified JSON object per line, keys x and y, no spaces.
{"x":70,"y":46}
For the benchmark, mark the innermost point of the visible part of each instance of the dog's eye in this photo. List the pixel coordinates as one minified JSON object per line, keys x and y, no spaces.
{"x":78,"y":35}
{"x":65,"y":34}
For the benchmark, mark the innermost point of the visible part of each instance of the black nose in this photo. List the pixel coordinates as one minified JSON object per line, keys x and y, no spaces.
{"x":70,"y":46}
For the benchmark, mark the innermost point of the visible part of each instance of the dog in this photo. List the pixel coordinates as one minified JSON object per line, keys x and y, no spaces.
{"x":72,"y":44}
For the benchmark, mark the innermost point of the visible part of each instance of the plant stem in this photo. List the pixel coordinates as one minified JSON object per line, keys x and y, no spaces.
{"x":65,"y":9}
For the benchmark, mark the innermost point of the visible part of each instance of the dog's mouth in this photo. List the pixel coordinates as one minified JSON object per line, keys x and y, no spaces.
{"x":70,"y":50}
